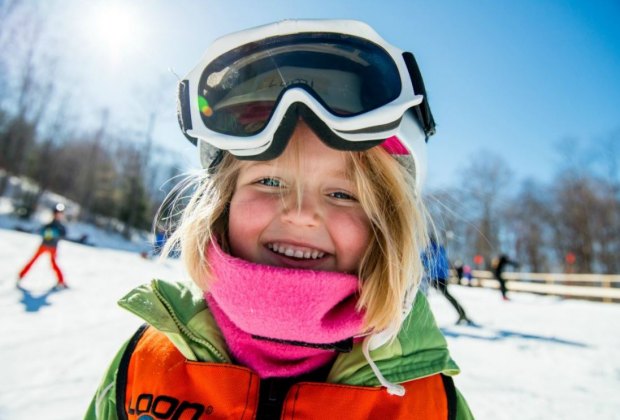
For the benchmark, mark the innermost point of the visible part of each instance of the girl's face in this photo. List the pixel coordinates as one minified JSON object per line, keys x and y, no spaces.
{"x":323,"y":229}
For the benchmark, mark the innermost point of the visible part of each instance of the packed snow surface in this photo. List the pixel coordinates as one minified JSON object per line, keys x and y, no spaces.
{"x":533,"y":357}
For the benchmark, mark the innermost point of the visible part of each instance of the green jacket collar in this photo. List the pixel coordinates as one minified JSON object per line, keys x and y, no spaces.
{"x":180,"y":311}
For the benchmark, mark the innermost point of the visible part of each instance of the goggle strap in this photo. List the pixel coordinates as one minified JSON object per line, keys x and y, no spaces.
{"x":423,"y":110}
{"x":183,"y":110}
{"x":219,"y":156}
{"x":420,"y":117}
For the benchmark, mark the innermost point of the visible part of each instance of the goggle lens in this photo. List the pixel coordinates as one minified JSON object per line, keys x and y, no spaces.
{"x":239,"y":91}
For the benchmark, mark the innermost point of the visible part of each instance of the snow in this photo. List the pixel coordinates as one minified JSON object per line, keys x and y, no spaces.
{"x":532,"y":357}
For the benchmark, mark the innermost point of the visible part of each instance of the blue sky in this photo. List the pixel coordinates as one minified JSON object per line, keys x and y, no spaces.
{"x":513,"y":78}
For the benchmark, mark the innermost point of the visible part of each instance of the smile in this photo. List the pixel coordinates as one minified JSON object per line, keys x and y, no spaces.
{"x":296,"y":252}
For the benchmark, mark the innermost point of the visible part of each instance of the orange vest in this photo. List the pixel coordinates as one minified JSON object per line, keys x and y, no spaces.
{"x":155,"y":381}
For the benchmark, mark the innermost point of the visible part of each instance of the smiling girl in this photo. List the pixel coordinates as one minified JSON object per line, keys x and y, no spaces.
{"x":303,"y":236}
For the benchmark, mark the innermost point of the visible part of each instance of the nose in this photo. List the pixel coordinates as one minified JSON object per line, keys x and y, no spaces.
{"x":301,"y":209}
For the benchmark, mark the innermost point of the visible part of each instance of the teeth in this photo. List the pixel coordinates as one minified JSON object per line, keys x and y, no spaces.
{"x":297,"y":253}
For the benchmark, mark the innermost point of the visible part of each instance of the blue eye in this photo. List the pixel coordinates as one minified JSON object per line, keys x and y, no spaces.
{"x":342,"y":196}
{"x":270,"y":182}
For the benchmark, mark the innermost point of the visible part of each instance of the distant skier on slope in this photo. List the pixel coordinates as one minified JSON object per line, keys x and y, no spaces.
{"x":499,"y":264}
{"x":51,"y":233}
{"x":438,"y":273}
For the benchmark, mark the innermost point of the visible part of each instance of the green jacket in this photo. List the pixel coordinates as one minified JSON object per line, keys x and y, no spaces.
{"x":181,"y":313}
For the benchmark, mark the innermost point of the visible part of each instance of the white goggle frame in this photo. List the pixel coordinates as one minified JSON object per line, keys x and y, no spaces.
{"x":348,"y":128}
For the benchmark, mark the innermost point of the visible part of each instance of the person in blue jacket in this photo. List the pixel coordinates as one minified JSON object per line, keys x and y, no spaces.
{"x":437,"y":267}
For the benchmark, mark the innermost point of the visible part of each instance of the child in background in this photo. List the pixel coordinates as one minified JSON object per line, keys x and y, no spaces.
{"x":468,"y":275}
{"x":51,"y":234}
{"x":303,"y":237}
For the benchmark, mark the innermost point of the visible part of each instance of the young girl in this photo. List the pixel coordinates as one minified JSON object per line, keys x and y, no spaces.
{"x":303,"y":236}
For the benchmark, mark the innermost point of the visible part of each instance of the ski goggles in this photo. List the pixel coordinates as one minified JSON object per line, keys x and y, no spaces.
{"x":352,"y":87}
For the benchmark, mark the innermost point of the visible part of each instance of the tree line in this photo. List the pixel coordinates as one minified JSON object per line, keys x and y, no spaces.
{"x":569,"y":224}
{"x":109,"y":170}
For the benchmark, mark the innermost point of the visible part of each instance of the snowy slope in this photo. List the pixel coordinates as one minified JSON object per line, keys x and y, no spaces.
{"x":533,"y":357}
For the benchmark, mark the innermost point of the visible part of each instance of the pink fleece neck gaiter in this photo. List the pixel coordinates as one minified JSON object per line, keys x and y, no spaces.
{"x":281,"y":321}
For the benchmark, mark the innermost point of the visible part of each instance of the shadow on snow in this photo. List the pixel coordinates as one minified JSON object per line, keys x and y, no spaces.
{"x":498,"y":335}
{"x":34,"y":302}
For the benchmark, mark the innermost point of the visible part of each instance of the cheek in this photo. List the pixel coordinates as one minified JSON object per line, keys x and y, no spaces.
{"x":351,"y":232}
{"x":248,"y":217}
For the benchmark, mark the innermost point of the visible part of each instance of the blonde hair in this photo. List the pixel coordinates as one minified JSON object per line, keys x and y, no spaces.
{"x":391,"y":266}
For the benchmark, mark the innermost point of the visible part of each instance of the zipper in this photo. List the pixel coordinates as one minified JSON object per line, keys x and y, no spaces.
{"x":186,"y":331}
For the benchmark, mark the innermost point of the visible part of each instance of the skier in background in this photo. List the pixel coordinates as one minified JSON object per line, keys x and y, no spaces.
{"x":51,"y":233}
{"x":499,"y":264}
{"x":438,"y":273}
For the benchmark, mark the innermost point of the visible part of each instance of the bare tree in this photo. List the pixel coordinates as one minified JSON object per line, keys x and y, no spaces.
{"x":484,"y":186}
{"x":33,"y":87}
{"x":11,"y":23}
{"x":134,"y":208}
{"x":46,"y":166}
{"x":573,"y":225}
{"x":586,"y":204}
{"x":607,"y":227}
{"x":528,"y":218}
{"x":609,"y":239}
{"x":88,"y":175}
{"x":451,"y":221}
